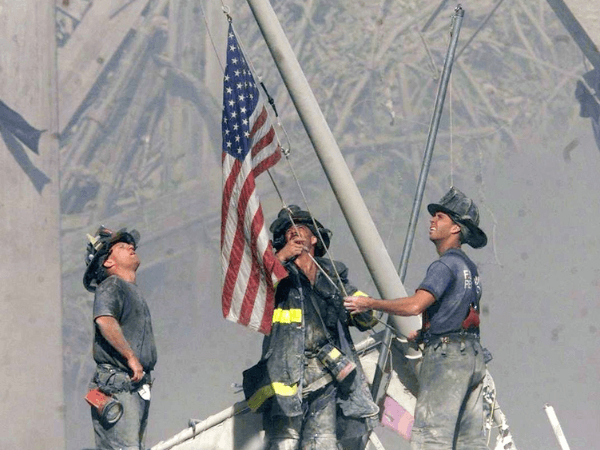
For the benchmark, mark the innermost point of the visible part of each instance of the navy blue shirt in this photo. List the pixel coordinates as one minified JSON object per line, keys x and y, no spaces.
{"x":123,"y":300}
{"x":453,"y":281}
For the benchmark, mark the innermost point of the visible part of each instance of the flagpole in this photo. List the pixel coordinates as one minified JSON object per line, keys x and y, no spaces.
{"x":361,"y":224}
{"x":457,"y":19}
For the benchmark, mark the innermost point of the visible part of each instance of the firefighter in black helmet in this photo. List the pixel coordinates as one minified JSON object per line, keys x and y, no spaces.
{"x":317,"y":394}
{"x":124,"y":348}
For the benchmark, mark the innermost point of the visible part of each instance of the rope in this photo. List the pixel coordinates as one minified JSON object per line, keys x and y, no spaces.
{"x":243,"y":50}
{"x":226,"y":10}
{"x":320,"y":236}
{"x":484,"y":203}
{"x":286,"y":152}
{"x":450,"y":107}
{"x":434,"y":69}
{"x":210,"y":34}
{"x":339,"y":285}
{"x":344,"y":291}
{"x":451,"y":135}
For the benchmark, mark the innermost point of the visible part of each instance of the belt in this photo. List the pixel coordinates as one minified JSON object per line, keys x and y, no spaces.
{"x":446,"y":338}
{"x":318,"y":380}
{"x":109,"y":377}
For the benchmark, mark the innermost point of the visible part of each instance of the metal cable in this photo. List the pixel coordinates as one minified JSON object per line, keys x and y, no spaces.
{"x":226,"y":12}
{"x":451,"y":135}
{"x":286,"y":152}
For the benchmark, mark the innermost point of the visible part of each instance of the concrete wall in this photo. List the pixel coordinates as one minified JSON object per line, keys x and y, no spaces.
{"x":31,"y":363}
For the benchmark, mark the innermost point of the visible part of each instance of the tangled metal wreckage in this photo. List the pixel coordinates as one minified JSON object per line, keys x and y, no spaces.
{"x":150,"y":88}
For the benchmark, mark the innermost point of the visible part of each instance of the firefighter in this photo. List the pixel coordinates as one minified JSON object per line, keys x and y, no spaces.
{"x":317,"y":395}
{"x":124,"y":348}
{"x":449,"y":410}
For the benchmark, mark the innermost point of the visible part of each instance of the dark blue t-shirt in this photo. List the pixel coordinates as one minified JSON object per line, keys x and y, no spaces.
{"x":454,"y":282}
{"x":123,"y":300}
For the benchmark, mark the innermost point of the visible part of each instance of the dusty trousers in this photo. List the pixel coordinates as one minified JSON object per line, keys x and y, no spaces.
{"x":314,"y":430}
{"x":128,"y":433}
{"x":449,"y":410}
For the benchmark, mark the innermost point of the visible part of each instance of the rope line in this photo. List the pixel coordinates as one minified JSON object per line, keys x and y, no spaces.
{"x":210,"y":34}
{"x":286,"y":152}
{"x":484,"y":203}
{"x":434,"y":70}
{"x":451,"y":136}
{"x":243,"y":50}
{"x":320,"y":236}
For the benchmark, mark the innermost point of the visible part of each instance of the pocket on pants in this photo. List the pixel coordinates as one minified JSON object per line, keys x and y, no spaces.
{"x":111,"y":381}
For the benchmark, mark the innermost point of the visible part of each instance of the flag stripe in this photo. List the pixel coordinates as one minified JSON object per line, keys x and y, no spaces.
{"x":253,"y":285}
{"x":250,"y":147}
{"x":235,"y":246}
{"x":260,"y":121}
{"x":238,"y":258}
{"x":266,"y":163}
{"x":261,"y":144}
{"x":270,"y":160}
{"x":228,"y":188}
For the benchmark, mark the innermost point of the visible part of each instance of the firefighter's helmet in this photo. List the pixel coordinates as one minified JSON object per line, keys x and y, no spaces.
{"x":293,"y":215}
{"x":464,"y":212}
{"x":98,"y":249}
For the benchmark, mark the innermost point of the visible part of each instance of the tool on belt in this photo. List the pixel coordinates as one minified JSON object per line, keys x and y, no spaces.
{"x":470,"y":324}
{"x":335,"y":361}
{"x":108,"y":381}
{"x":109,"y":408}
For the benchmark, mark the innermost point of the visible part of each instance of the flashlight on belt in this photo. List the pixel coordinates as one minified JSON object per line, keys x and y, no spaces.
{"x":109,"y":408}
{"x":336,"y":362}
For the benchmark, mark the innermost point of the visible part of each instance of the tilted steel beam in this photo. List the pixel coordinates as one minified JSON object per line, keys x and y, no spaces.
{"x":581,"y":18}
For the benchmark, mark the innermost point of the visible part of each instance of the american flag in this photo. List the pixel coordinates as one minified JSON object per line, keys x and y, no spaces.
{"x":250,"y":147}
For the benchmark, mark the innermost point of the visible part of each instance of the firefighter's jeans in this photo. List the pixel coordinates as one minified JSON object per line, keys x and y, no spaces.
{"x":315,"y":431}
{"x":128,"y":432}
{"x":449,"y":410}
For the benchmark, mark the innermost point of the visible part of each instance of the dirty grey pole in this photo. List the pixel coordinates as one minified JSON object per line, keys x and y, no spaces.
{"x":355,"y":211}
{"x":433,"y":128}
{"x":577,"y":32}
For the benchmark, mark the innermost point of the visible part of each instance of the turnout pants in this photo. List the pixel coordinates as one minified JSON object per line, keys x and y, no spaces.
{"x":449,"y":410}
{"x":314,"y":430}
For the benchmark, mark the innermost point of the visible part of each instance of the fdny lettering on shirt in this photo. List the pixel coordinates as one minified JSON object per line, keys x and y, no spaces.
{"x":468,"y":279}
